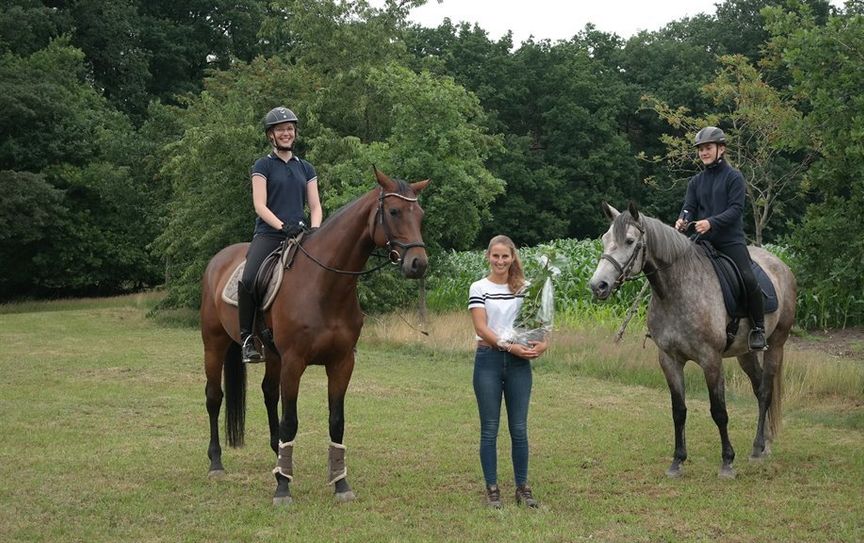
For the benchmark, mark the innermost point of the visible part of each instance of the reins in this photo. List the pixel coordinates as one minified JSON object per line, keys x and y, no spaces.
{"x":394,"y":256}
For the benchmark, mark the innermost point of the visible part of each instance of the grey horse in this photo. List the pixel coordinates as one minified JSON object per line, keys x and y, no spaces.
{"x":687,"y":321}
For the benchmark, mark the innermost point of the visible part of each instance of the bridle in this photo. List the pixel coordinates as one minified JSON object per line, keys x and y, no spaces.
{"x":624,"y":269}
{"x":393,"y":255}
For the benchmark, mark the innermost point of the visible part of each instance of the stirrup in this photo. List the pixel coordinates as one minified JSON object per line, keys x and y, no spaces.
{"x":753,"y":338}
{"x":250,"y":354}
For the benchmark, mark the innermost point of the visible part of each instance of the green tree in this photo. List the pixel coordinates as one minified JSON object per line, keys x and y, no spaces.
{"x":91,"y":231}
{"x":825,"y":62}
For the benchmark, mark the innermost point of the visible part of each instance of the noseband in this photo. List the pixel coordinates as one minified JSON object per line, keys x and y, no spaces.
{"x":624,"y":270}
{"x":392,"y":245}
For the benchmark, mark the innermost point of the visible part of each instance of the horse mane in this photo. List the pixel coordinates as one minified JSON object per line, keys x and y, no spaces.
{"x":402,"y":187}
{"x":664,"y":242}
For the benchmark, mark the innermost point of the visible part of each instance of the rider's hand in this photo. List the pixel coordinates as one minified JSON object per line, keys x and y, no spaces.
{"x":291,"y":230}
{"x":681,"y":225}
{"x":702,"y":226}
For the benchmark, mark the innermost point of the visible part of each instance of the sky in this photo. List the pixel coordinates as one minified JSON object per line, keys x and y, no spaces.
{"x":561,"y":19}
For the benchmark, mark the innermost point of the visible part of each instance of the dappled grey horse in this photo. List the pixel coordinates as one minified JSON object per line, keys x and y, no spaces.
{"x":687,"y":320}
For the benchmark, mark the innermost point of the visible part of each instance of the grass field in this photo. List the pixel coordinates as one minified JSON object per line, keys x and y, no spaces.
{"x":105,"y":435}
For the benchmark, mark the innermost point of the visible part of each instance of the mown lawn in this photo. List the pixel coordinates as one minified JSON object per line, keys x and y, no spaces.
{"x":104,"y":438}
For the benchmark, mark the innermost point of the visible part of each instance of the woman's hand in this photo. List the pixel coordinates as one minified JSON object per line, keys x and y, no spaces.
{"x":533,"y":350}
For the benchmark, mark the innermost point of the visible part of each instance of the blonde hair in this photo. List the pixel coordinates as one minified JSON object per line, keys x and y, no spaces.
{"x":515,"y":275}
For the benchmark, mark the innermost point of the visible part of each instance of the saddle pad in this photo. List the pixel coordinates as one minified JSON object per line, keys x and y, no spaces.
{"x":229,"y":293}
{"x":733,"y":288}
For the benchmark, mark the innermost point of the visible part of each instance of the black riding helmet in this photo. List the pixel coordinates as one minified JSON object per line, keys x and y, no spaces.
{"x":278,"y":115}
{"x":710,"y":134}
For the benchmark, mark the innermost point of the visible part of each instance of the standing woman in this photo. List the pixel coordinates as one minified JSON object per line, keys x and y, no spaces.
{"x":502,"y":368}
{"x":282,"y":185}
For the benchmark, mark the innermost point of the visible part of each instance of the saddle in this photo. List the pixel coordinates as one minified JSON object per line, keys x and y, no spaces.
{"x":732,"y":286}
{"x":269,"y":275}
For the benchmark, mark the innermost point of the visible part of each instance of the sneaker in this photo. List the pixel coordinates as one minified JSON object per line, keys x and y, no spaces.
{"x":250,"y":353}
{"x":493,"y":496}
{"x":524,"y":496}
{"x":757,"y":340}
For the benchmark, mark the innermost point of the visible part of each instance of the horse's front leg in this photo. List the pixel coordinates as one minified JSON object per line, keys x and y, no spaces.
{"x":270,"y":388}
{"x":713,"y":368}
{"x":290,"y":374}
{"x":338,"y":376}
{"x":673,"y":369}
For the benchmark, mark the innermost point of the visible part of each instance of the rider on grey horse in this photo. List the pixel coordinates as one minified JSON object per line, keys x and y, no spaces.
{"x":714,"y":205}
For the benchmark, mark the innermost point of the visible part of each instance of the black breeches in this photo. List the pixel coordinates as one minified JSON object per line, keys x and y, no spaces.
{"x":261,"y":246}
{"x":741,"y":257}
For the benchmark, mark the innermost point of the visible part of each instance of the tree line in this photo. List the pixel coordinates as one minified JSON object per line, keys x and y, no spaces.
{"x":129,"y":127}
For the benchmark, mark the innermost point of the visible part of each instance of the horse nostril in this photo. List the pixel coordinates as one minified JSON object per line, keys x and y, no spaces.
{"x":417,"y":267}
{"x":601,"y":288}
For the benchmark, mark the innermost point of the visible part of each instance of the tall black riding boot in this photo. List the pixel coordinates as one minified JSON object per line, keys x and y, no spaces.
{"x":246,"y":312}
{"x":756,"y":339}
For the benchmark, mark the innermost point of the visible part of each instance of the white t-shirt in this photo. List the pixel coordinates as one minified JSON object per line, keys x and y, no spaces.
{"x":501,"y":305}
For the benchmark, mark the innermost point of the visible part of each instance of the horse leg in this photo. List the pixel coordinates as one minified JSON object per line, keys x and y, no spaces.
{"x":270,"y":388}
{"x":284,"y":471}
{"x":750,"y":364}
{"x":214,"y":356}
{"x":338,"y":376}
{"x":713,"y":369}
{"x":673,"y":369}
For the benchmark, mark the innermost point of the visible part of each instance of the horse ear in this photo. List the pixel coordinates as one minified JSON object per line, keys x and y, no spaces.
{"x":383,"y":180}
{"x":419,"y":186}
{"x":609,"y":211}
{"x":634,"y":211}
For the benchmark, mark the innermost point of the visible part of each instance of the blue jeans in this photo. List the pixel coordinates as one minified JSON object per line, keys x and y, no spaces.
{"x":498,"y":373}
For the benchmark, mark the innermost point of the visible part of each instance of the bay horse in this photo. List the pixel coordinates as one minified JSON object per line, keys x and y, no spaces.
{"x":687,"y":321}
{"x":315,"y":318}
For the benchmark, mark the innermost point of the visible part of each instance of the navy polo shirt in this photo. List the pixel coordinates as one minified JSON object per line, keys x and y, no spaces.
{"x":286,"y":188}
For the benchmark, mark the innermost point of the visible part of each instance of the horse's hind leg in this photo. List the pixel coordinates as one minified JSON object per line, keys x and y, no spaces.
{"x":673,"y":369}
{"x":214,"y":354}
{"x":713,"y":368}
{"x":750,"y":364}
{"x":338,"y":376}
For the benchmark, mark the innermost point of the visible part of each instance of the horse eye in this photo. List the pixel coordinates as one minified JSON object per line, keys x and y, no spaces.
{"x":630,"y":241}
{"x":394,"y":212}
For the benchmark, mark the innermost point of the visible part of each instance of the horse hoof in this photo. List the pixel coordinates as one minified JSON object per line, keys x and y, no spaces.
{"x":216,"y":474}
{"x":344,"y":497}
{"x":674,"y":472}
{"x":758,"y":457}
{"x":282,"y":500}
{"x":726,"y":472}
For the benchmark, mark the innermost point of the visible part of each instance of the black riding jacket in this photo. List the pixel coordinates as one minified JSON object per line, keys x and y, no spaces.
{"x":717,"y":194}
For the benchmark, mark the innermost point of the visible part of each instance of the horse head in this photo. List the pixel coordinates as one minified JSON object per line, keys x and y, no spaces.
{"x":623,"y":251}
{"x":395,"y":224}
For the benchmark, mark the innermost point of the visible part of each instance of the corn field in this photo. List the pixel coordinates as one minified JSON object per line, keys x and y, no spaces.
{"x":453,"y":274}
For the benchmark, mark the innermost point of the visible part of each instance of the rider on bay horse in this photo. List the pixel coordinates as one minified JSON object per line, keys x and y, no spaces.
{"x":283,"y":184}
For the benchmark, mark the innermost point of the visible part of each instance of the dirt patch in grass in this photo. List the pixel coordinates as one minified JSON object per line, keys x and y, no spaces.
{"x":842,"y":343}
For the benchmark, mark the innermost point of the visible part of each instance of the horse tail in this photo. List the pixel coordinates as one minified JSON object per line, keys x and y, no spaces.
{"x":775,"y":410}
{"x":235,"y":396}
